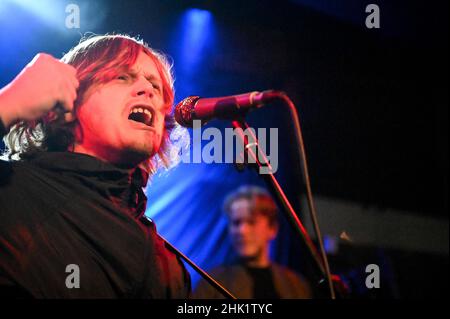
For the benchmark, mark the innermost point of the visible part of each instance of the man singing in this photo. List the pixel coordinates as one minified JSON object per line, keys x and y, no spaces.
{"x":83,"y":134}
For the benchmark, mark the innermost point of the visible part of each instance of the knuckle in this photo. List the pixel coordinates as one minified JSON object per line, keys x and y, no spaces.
{"x":72,"y":68}
{"x":70,"y":72}
{"x":44,"y":56}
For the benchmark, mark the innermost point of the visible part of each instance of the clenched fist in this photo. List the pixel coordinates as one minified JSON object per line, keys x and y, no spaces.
{"x":44,"y":83}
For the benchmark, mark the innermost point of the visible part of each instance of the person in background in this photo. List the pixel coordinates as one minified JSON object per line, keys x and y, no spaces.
{"x":252,"y":225}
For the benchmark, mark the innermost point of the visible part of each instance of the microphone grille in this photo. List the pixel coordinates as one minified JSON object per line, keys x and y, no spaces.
{"x":184,"y":111}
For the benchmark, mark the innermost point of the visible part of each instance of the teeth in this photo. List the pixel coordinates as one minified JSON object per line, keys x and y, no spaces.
{"x":140,"y":110}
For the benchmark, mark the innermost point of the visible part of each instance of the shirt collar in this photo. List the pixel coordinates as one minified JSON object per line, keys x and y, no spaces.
{"x":120,"y":185}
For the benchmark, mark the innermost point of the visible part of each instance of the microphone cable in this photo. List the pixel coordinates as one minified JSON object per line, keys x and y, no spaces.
{"x":299,"y":138}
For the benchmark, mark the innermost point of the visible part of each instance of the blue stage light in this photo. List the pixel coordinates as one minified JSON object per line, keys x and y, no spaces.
{"x":50,"y":12}
{"x":196,"y":36}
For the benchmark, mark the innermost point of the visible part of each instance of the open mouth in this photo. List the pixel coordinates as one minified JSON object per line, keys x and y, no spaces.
{"x":142,"y":115}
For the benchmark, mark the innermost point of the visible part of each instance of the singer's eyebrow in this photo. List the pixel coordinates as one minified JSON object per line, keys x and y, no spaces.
{"x":148,"y":76}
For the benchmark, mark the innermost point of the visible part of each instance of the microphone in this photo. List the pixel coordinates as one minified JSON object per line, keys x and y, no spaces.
{"x":227,"y":107}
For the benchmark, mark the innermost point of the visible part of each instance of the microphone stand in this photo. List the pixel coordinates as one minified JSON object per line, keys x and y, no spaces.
{"x":251,"y":150}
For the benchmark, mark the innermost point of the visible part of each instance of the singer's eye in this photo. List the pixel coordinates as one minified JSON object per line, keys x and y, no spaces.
{"x":156,"y":87}
{"x":123,"y":77}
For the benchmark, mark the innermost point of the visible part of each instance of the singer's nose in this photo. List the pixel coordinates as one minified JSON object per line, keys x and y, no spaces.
{"x":143,"y":87}
{"x":144,"y":92}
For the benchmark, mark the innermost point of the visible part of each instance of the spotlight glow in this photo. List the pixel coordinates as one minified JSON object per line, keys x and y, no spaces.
{"x":197,"y":28}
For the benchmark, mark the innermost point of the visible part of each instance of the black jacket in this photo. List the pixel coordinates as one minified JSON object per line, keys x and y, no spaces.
{"x":61,"y":208}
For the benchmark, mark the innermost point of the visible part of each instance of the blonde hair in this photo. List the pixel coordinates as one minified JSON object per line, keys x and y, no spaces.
{"x":96,"y":58}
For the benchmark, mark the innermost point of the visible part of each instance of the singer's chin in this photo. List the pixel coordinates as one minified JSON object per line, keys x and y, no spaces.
{"x":136,"y":154}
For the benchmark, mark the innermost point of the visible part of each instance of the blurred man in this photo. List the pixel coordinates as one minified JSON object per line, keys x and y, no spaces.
{"x":83,"y":136}
{"x":252,"y":225}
